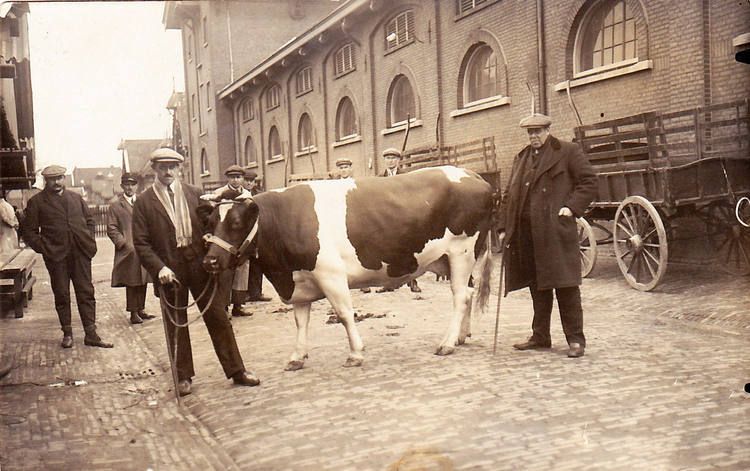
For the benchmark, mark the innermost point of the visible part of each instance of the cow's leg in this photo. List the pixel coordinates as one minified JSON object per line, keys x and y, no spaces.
{"x":461,"y":266}
{"x":302,"y":319}
{"x":336,"y":290}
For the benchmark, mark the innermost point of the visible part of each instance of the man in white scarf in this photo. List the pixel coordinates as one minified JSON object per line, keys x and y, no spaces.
{"x":168,"y":238}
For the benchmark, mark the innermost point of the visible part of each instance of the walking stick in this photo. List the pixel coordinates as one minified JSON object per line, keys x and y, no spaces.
{"x":499,"y":299}
{"x":164,"y":315}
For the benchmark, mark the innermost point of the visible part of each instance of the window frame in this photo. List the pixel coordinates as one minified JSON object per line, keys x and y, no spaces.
{"x":468,"y":76}
{"x":271,"y":156}
{"x":254,"y":163}
{"x":599,"y":12}
{"x":476,"y":6}
{"x":302,"y":147}
{"x":205,"y":167}
{"x":247,"y":110}
{"x":408,"y":31}
{"x":354,"y":123}
{"x":352,"y":59}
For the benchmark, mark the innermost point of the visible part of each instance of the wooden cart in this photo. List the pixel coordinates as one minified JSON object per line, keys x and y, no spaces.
{"x":657,"y":167}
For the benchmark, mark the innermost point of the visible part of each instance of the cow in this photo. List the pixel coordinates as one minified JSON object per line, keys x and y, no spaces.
{"x":322,"y":238}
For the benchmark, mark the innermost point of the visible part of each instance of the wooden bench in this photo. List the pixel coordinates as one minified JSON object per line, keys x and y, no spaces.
{"x":17,"y":281}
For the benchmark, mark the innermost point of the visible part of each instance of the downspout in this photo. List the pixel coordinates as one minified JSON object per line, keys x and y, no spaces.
{"x":439,"y":62}
{"x":375,"y":159}
{"x":324,"y":86}
{"x":231,"y":56}
{"x":290,"y":155}
{"x":541,"y":57}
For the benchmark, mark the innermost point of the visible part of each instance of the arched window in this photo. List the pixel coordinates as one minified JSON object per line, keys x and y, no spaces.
{"x":274,"y":144}
{"x":344,"y":60}
{"x":248,"y":112}
{"x":304,"y":80}
{"x":607,"y":36}
{"x":205,"y":170}
{"x":250,"y":156}
{"x":272,"y":97}
{"x":347,"y":124}
{"x":400,"y":30}
{"x":401,"y":101}
{"x":305,"y":137}
{"x":485,"y":75}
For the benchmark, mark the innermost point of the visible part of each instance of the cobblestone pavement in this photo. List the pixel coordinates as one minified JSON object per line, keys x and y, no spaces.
{"x":660,"y":387}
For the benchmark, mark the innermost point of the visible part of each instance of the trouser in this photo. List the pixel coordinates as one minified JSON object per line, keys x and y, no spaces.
{"x":193,"y":278}
{"x":254,"y":282}
{"x":75,"y":267}
{"x":568,"y":298}
{"x":135,"y":298}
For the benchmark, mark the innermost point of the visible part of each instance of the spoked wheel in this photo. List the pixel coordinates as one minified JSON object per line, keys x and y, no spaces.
{"x":729,"y":239}
{"x":588,"y":246}
{"x":640,"y":243}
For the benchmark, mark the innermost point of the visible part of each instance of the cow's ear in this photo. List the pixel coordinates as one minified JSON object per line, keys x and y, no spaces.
{"x":204,"y":212}
{"x":251,"y":209}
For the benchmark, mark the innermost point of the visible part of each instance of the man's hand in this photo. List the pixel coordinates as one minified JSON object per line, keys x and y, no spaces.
{"x":565,"y":211}
{"x":166,"y":276}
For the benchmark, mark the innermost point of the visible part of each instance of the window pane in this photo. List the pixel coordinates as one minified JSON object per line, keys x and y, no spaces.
{"x":250,"y":157}
{"x":305,"y":135}
{"x":274,"y":143}
{"x":346,"y":122}
{"x":630,"y":30}
{"x":597,"y":60}
{"x":608,"y":31}
{"x":630,"y":50}
{"x":617,"y":55}
{"x":619,"y":37}
{"x":484,"y":75}
{"x":402,"y":100}
{"x":619,"y":12}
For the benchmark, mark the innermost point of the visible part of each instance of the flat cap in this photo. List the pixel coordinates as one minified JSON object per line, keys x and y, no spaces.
{"x":234,"y":170}
{"x":250,"y":174}
{"x":165,"y":154}
{"x":392,"y":151}
{"x":128,"y":177}
{"x":536,"y":120}
{"x":54,"y":171}
{"x":343,"y":161}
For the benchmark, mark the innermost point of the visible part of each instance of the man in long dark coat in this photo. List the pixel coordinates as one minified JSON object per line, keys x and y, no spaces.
{"x":551,"y":183}
{"x":59,"y":226}
{"x":168,"y":238}
{"x":127,"y":270}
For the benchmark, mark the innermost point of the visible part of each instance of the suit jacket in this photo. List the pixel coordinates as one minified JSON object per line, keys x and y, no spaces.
{"x":154,"y":234}
{"x":53,"y":223}
{"x":564,"y":177}
{"x":399,"y":171}
{"x":127,"y":269}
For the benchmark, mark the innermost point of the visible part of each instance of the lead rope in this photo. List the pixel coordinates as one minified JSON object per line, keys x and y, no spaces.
{"x":167,"y":311}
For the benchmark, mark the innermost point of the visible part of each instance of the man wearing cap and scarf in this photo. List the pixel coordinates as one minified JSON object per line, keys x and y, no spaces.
{"x":233,"y":190}
{"x":59,"y":226}
{"x":168,"y":238}
{"x":127,"y":270}
{"x":551,"y":183}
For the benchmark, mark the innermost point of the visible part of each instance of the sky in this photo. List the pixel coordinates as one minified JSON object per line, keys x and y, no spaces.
{"x":101,"y":72}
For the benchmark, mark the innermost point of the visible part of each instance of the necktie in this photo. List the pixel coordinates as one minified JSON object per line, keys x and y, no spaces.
{"x":171,"y":195}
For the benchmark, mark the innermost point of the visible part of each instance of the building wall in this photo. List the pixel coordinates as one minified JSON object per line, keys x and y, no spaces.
{"x":684,"y":60}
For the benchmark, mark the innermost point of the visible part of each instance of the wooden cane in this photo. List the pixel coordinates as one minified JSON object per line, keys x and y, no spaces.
{"x":499,"y":299}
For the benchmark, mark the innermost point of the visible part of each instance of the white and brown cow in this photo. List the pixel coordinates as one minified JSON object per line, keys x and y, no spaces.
{"x":323,"y":238}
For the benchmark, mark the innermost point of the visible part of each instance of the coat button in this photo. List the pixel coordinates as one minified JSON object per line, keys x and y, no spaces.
{"x":527,"y":183}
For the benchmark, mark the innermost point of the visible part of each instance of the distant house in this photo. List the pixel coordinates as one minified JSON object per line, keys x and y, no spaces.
{"x":135,"y":158}
{"x":100,"y":185}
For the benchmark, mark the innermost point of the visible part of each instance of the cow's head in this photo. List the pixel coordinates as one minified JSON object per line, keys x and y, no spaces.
{"x":235,"y":226}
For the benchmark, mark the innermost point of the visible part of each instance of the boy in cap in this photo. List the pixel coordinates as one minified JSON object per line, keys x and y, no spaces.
{"x":127,"y":270}
{"x":59,"y":226}
{"x":168,"y":237}
{"x":551,"y":183}
{"x":344,"y":165}
{"x":234,"y":189}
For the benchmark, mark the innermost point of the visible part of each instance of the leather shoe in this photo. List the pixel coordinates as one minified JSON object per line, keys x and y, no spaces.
{"x":576,"y":350}
{"x":531,"y":344}
{"x":243,"y":379}
{"x":238,"y":311}
{"x":144,"y":315}
{"x":67,"y":341}
{"x":184,"y":387}
{"x":261,"y":298}
{"x":135,"y":318}
{"x":96,"y":342}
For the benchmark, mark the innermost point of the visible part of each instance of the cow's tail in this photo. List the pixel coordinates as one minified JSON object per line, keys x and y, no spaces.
{"x":482,"y":293}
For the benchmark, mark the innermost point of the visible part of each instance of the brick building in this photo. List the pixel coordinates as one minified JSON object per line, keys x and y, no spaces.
{"x":462,"y":70}
{"x":220,"y":40}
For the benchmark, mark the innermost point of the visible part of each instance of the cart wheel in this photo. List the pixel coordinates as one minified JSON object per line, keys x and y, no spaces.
{"x":640,"y":243}
{"x":729,"y":239}
{"x":588,"y":246}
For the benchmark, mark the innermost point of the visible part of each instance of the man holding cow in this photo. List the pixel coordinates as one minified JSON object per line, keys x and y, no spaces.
{"x":168,"y":238}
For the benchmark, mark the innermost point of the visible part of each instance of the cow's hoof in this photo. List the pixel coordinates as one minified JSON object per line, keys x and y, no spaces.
{"x":294,"y":365}
{"x":445,"y":350}
{"x":352,"y":362}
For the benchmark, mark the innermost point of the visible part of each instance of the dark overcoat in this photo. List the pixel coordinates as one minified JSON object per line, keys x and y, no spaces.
{"x":127,"y":269}
{"x":53,"y":223}
{"x":564,"y":177}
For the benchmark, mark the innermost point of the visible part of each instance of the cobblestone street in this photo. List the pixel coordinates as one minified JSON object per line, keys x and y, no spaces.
{"x":660,"y":387}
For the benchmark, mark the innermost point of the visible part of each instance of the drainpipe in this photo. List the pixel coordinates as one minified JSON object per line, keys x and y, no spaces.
{"x":439,"y":62}
{"x":541,"y":57}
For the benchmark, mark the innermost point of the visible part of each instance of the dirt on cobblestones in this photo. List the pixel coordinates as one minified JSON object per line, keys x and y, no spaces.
{"x":660,"y":387}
